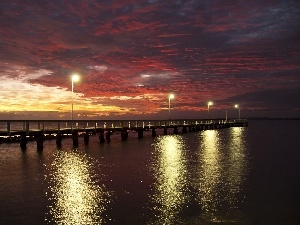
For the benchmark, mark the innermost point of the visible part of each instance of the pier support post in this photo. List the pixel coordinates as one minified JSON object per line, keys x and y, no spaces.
{"x":23,"y":142}
{"x":184,"y":130}
{"x":165,"y":131}
{"x":40,"y":141}
{"x":75,"y":138}
{"x":86,"y":137}
{"x":107,"y":136}
{"x":140,"y":133}
{"x":101,"y":136}
{"x":58,"y":140}
{"x":124,"y":135}
{"x":175,"y":130}
{"x":153,"y":132}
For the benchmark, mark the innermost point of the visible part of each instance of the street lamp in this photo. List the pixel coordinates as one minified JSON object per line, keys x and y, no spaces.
{"x":171,"y":96}
{"x":75,"y":78}
{"x":209,"y":104}
{"x":238,"y":107}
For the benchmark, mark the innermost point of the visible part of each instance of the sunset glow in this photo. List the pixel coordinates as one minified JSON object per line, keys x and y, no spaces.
{"x":130,"y":55}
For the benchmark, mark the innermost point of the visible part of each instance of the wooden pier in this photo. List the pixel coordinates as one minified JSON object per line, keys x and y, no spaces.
{"x":38,"y":130}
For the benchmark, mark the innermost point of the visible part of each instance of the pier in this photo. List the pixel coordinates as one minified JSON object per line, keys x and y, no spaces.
{"x":39,"y":130}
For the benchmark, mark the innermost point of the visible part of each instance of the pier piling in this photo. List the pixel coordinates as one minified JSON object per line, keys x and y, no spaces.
{"x":75,"y":138}
{"x":101,"y":136}
{"x":153,"y":132}
{"x":175,"y":130}
{"x":140,"y":133}
{"x":124,"y":135}
{"x":40,"y":141}
{"x":23,"y":142}
{"x":58,"y":140}
{"x":86,"y":138}
{"x":107,"y":136}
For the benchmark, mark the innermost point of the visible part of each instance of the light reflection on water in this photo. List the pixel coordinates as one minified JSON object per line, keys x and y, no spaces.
{"x":205,"y":182}
{"x":221,"y":174}
{"x":74,"y":196}
{"x":210,"y":171}
{"x":208,"y":179}
{"x":237,"y":165}
{"x":170,"y":171}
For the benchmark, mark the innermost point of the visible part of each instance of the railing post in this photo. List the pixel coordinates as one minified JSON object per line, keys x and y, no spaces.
{"x":27,"y":127}
{"x":8,"y":128}
{"x":58,"y":127}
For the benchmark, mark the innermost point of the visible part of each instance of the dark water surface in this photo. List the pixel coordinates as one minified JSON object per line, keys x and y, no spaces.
{"x":247,"y":176}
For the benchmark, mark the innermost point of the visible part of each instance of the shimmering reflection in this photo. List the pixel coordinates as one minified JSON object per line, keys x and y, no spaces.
{"x":170,"y":171}
{"x":210,"y":171}
{"x":221,"y":174}
{"x":237,"y":166}
{"x":75,"y":197}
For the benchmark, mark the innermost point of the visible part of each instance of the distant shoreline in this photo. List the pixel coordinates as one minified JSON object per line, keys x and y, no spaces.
{"x":270,"y":118}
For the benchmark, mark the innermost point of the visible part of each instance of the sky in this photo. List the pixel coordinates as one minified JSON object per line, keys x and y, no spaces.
{"x":131,"y":54}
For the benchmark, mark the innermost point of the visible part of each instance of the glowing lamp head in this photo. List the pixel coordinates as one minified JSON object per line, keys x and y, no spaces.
{"x":171,"y":96}
{"x":75,"y":77}
{"x":210,"y":103}
{"x":236,"y":106}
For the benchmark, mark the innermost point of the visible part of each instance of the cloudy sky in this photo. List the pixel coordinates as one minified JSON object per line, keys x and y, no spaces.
{"x":130,"y":54}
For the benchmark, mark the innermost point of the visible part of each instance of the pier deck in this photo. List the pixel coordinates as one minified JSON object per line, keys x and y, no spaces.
{"x":15,"y":130}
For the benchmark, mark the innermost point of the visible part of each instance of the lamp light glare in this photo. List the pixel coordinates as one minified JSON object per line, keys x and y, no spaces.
{"x":75,"y":77}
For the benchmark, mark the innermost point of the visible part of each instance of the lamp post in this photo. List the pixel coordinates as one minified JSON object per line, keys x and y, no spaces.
{"x":238,"y":107}
{"x":75,"y":78}
{"x":209,"y":104}
{"x":171,"y":96}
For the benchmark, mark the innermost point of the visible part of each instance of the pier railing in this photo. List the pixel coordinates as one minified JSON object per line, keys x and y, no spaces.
{"x":16,"y":127}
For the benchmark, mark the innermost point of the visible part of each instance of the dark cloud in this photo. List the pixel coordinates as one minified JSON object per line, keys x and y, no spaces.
{"x":277,"y":99}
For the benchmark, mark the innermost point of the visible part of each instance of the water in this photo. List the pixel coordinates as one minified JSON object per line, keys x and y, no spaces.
{"x":247,"y":175}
